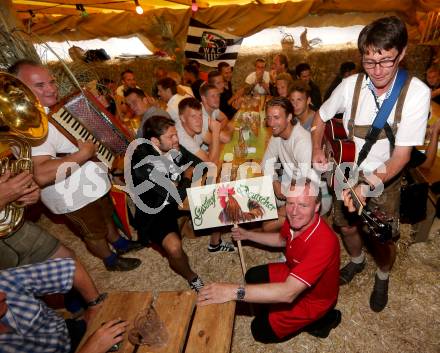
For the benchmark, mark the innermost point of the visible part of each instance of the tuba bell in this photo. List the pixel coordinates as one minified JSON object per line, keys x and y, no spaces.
{"x":23,"y":123}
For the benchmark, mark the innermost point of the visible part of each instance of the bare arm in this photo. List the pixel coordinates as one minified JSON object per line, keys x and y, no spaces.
{"x":269,"y":239}
{"x":318,"y":125}
{"x":283,"y":292}
{"x":45,"y":167}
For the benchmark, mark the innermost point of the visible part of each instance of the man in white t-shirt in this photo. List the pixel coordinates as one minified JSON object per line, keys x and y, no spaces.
{"x":72,"y":184}
{"x":382,"y":45}
{"x":193,"y":131}
{"x":259,"y":80}
{"x":291,"y":145}
{"x":167,"y":91}
{"x":128,"y":81}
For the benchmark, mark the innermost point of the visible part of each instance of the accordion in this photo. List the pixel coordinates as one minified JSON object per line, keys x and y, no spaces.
{"x":84,"y":118}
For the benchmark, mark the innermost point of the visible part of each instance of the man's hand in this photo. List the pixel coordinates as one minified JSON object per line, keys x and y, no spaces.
{"x":214,"y":126}
{"x":105,"y":337}
{"x":32,"y":196}
{"x":13,"y":188}
{"x":348,"y":199}
{"x":239,"y":233}
{"x":216,"y":293}
{"x":319,"y":160}
{"x":87,"y":149}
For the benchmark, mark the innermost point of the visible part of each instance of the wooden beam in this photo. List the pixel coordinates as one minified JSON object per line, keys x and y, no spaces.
{"x":121,"y":6}
{"x":23,"y":10}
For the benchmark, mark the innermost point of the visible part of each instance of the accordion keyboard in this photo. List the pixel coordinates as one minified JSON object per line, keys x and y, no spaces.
{"x":80,"y":132}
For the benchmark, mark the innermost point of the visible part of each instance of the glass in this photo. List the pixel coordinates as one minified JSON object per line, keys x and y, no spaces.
{"x":387,"y":63}
{"x":148,"y":329}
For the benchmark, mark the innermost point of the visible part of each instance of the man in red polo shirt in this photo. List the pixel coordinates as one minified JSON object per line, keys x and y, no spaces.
{"x":303,"y":291}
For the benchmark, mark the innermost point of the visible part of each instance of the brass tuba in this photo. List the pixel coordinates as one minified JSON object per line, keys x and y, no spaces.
{"x":22,"y":122}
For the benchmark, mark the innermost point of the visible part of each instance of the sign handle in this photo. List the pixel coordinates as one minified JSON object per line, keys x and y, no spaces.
{"x":240,"y":253}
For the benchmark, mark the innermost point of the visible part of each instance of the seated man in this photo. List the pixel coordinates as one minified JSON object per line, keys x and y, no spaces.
{"x":167,"y":90}
{"x":301,"y":292}
{"x":210,"y":109}
{"x":28,"y":325}
{"x":258,"y":81}
{"x":299,"y":96}
{"x":73,"y":184}
{"x":282,"y":84}
{"x":304,"y":73}
{"x":191,"y":79}
{"x":142,"y":106}
{"x":128,"y":80}
{"x":433,"y":82}
{"x":195,"y":132}
{"x":226,"y":97}
{"x":291,"y":144}
{"x":157,"y":163}
{"x":280,"y":65}
{"x":216,"y":79}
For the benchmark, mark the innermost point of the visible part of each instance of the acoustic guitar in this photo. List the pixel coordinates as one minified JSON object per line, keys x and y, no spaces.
{"x":339,"y":149}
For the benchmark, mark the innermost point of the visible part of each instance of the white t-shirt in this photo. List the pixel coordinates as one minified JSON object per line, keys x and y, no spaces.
{"x":173,"y":106}
{"x":251,"y":79}
{"x":411,"y":129}
{"x":295,"y":154}
{"x":85,"y":185}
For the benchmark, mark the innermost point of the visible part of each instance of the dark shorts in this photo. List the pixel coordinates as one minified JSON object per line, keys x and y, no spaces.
{"x":91,"y":221}
{"x":387,"y":205}
{"x":30,"y":244}
{"x":155,"y":227}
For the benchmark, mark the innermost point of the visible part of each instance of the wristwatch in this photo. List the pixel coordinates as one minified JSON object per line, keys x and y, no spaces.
{"x":99,"y":299}
{"x":240,"y":293}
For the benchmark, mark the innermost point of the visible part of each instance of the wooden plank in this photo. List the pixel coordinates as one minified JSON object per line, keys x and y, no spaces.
{"x":211,"y":331}
{"x":175,"y":310}
{"x":124,"y":305}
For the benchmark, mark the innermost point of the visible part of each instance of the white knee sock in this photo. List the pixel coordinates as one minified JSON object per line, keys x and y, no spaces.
{"x":359,"y":259}
{"x":382,"y":275}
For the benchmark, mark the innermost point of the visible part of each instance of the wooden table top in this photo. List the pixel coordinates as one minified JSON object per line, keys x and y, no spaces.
{"x":208,"y":330}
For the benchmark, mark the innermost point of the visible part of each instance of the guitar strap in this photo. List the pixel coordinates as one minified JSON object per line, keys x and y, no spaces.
{"x":379,"y":130}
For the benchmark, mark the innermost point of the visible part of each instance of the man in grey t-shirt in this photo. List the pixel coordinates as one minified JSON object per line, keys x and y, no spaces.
{"x":142,"y":105}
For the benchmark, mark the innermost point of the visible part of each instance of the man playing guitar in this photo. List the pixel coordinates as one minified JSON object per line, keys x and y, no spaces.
{"x":382,"y":45}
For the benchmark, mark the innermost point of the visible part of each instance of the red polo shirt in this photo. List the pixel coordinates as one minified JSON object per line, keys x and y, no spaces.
{"x":312,"y":258}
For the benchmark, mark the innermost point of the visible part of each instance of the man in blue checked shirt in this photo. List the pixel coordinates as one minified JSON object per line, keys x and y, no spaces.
{"x":27,"y":325}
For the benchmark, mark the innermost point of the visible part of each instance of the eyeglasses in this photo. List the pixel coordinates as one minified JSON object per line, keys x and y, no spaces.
{"x":387,"y":63}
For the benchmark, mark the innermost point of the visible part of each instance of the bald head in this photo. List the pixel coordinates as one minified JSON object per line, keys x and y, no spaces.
{"x":39,"y":80}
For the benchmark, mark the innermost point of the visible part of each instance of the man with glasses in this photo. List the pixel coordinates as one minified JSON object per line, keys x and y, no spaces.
{"x":382,"y":45}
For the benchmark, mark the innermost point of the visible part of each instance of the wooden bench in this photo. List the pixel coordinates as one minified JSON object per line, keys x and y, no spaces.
{"x":203,"y":329}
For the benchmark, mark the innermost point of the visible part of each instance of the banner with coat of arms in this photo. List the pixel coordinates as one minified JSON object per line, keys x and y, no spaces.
{"x":210,"y":46}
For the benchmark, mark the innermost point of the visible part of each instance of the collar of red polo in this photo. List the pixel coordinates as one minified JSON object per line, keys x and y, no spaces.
{"x":309,"y":231}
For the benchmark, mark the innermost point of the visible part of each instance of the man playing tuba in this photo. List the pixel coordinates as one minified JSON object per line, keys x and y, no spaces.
{"x":21,"y":242}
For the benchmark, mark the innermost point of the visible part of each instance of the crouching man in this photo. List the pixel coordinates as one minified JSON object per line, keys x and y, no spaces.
{"x":301,"y":292}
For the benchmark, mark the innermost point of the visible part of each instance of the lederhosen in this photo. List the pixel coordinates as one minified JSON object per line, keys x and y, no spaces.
{"x":391,"y":193}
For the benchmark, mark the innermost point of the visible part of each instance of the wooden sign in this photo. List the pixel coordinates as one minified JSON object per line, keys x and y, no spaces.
{"x":235,"y":202}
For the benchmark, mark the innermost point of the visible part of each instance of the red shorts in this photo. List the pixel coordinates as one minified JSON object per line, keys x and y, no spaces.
{"x":288,"y":318}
